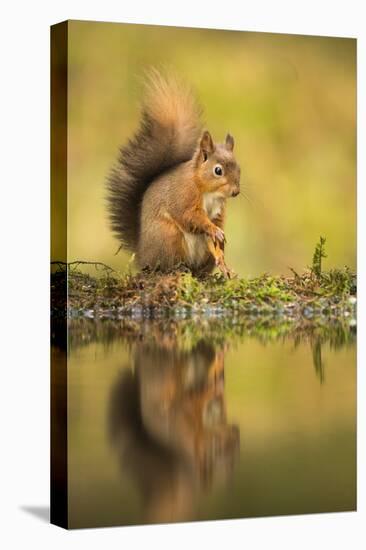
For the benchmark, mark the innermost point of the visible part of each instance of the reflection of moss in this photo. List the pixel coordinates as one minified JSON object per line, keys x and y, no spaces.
{"x":185,"y":334}
{"x":180,"y":295}
{"x":317,"y":359}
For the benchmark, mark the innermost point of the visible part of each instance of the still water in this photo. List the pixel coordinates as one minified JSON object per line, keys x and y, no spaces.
{"x":174,"y":423}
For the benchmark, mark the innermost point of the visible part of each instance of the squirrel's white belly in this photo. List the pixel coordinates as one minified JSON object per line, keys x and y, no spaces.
{"x":212,"y":204}
{"x":197,"y":244}
{"x":196,"y":248}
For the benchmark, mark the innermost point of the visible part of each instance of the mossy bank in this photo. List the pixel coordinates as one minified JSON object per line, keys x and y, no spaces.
{"x":319,"y":297}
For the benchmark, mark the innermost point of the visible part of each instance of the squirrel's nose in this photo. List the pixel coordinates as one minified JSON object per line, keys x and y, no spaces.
{"x":236,"y":192}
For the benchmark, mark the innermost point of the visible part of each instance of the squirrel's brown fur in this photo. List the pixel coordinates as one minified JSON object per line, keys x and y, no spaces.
{"x":166,"y":202}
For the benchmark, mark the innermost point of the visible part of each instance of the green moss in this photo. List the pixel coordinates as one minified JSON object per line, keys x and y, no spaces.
{"x":179,"y":294}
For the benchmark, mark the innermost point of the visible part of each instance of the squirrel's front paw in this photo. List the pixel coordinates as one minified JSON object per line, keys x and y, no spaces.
{"x":216,"y":234}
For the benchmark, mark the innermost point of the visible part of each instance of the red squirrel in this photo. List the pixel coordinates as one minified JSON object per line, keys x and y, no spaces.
{"x":167,"y":193}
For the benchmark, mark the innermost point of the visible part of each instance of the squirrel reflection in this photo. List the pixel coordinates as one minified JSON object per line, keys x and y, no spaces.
{"x":168,"y":425}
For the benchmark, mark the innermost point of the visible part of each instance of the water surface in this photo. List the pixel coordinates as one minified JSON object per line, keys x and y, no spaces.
{"x":173,"y":425}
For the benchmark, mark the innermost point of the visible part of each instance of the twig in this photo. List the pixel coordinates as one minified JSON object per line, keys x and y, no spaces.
{"x":83,"y":262}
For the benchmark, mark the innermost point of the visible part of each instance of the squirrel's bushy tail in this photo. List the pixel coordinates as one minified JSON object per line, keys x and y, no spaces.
{"x":168,"y":133}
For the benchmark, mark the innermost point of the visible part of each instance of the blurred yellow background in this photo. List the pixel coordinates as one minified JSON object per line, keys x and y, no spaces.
{"x":289,"y":101}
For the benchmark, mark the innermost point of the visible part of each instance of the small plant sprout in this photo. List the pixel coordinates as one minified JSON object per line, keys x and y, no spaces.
{"x":319,"y":254}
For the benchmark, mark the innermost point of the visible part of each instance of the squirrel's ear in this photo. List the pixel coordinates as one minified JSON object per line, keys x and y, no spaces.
{"x":229,"y":142}
{"x":206,"y":145}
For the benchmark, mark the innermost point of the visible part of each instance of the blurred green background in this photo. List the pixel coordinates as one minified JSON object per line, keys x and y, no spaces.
{"x":289,"y":101}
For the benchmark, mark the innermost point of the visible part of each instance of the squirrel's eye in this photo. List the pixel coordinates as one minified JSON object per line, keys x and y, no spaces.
{"x":218,"y":170}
